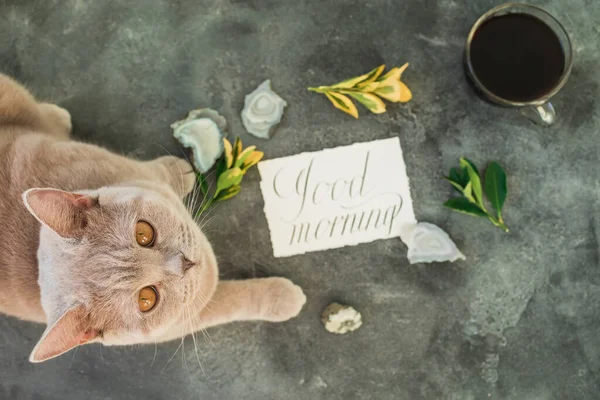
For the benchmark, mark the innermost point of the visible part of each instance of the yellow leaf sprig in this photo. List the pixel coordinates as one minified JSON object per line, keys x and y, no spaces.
{"x":368,"y":90}
{"x":231,"y":168}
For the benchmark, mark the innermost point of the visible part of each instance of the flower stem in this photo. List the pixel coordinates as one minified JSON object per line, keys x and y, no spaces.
{"x":499,"y":223}
{"x":320,"y":89}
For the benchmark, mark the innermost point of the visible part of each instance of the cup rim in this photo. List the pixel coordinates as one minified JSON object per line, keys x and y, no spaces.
{"x":503,"y":101}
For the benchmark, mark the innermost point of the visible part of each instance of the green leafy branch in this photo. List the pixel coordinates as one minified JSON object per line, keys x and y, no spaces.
{"x":231,"y":168}
{"x":466,"y":180}
{"x":367,"y":90}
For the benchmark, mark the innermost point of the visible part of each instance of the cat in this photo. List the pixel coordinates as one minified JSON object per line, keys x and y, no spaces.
{"x":101,"y":248}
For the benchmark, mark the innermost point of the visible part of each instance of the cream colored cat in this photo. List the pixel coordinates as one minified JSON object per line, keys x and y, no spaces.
{"x":101,"y":248}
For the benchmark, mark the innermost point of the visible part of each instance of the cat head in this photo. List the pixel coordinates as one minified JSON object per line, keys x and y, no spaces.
{"x":119,"y":265}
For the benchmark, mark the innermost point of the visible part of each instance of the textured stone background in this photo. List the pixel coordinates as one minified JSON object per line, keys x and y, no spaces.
{"x":518,"y":320}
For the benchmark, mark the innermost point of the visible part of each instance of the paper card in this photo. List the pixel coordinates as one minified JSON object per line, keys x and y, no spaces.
{"x":337,"y":197}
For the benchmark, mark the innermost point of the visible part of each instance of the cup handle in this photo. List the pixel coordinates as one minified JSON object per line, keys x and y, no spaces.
{"x":543,"y":114}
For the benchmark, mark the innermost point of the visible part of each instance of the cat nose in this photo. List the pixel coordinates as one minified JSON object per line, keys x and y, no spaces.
{"x":186,"y":264}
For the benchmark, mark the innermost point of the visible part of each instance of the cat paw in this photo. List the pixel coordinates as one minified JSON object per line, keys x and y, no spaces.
{"x":285,"y":300}
{"x":181,"y":174}
{"x":57,"y":118}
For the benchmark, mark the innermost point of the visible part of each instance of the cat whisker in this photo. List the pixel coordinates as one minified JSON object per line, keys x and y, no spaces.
{"x":207,"y":221}
{"x":207,"y":337}
{"x":210,"y":310}
{"x":182,"y":185}
{"x":186,"y":200}
{"x":73,"y":359}
{"x":194,"y":339}
{"x":209,"y":188}
{"x":195,"y":205}
{"x":206,"y":215}
{"x":205,"y":199}
{"x":173,"y":356}
{"x":202,"y":216}
{"x":209,"y":234}
{"x":190,"y":199}
{"x":195,"y":195}
{"x":184,"y":356}
{"x":204,"y":331}
{"x":154,"y":358}
{"x":185,"y":155}
{"x":206,"y":301}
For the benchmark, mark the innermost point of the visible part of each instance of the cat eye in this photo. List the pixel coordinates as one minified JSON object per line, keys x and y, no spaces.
{"x":147,"y":298}
{"x":144,"y":234}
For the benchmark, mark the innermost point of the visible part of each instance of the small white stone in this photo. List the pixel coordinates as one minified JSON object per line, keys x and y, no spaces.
{"x":202,"y":131}
{"x":429,"y":243}
{"x":263,"y":109}
{"x":340,"y":319}
{"x":318,"y":383}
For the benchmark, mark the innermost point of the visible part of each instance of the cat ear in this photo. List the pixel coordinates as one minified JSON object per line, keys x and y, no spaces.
{"x":63,"y":212}
{"x":68,"y":332}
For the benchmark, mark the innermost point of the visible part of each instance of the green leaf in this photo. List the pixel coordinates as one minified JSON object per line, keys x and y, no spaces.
{"x":459,"y":177}
{"x":465,"y":175}
{"x":464,"y":206}
{"x":393,"y":74}
{"x":244,"y":155}
{"x":495,"y":186}
{"x":252,"y":159}
{"x":203,"y":183}
{"x":368,"y":77}
{"x":221,"y":167}
{"x":474,"y":180}
{"x":229,"y":178}
{"x":396,"y":92}
{"x":343,"y":103}
{"x":228,"y":152}
{"x":454,"y":176}
{"x":229,"y":193}
{"x":457,"y":186}
{"x":465,"y":161}
{"x":468,"y":192}
{"x":370,"y":101}
{"x":237,"y":148}
{"x":387,"y":90}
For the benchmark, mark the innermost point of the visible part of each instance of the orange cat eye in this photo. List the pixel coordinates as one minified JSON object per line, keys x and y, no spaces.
{"x":144,"y":234}
{"x":147,"y":298}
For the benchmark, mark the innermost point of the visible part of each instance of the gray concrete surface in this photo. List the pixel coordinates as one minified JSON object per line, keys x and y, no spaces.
{"x":518,"y":320}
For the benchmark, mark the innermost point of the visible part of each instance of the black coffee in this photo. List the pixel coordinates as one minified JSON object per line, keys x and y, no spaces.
{"x":517,"y":57}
